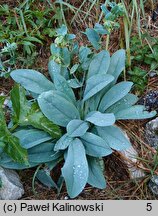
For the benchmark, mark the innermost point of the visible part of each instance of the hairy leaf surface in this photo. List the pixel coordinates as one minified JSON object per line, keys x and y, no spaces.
{"x":57,"y":108}
{"x":32,"y":80}
{"x":95,"y":145}
{"x":75,"y":169}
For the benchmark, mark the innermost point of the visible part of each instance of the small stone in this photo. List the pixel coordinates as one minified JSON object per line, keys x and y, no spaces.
{"x":151,"y":133}
{"x":153,"y":184}
{"x":66,"y":198}
{"x":152,"y":74}
{"x":11,"y":187}
{"x":150,"y":100}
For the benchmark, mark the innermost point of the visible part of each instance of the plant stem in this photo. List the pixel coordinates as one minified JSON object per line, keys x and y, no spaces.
{"x":107,"y":42}
{"x":14,"y":127}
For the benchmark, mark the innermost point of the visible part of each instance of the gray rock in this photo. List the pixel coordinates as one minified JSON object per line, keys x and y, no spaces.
{"x":130,"y":155}
{"x":150,"y":100}
{"x":152,"y":74}
{"x":151,"y":133}
{"x":11,"y":188}
{"x":153,"y":184}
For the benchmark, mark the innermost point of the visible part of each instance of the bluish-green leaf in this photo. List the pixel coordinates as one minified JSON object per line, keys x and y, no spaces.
{"x":44,"y":177}
{"x":26,"y":114}
{"x":74,"y":68}
{"x":42,"y":157}
{"x":32,"y":80}
{"x":100,"y":29}
{"x":100,"y":119}
{"x":42,"y":147}
{"x":74,"y":83}
{"x":65,"y":56}
{"x":125,"y":102}
{"x":117,"y":64}
{"x":95,"y":145}
{"x":83,"y":53}
{"x":65,"y":72}
{"x":114,"y":137}
{"x":57,"y":109}
{"x":62,"y":86}
{"x":5,"y":158}
{"x":63,"y":142}
{"x":94,"y":101}
{"x":135,"y":112}
{"x":77,"y":128}
{"x":75,"y":169}
{"x":116,"y":93}
{"x":31,"y":137}
{"x":62,"y":31}
{"x":95,"y":84}
{"x":93,"y":37}
{"x":96,"y":177}
{"x":99,"y":64}
{"x":54,"y":69}
{"x":55,"y":50}
{"x":85,"y":64}
{"x":17,"y":166}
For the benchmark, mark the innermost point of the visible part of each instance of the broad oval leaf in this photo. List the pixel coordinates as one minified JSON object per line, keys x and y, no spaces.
{"x":117,"y":64}
{"x":17,"y":166}
{"x":100,"y":29}
{"x":54,"y":69}
{"x":14,"y":149}
{"x":94,"y":101}
{"x":99,"y":64}
{"x":100,"y":119}
{"x":77,"y":128}
{"x":95,"y":84}
{"x":5,"y":158}
{"x":45,"y":178}
{"x":74,"y":68}
{"x":93,"y":37}
{"x":95,"y":146}
{"x":96,"y":177}
{"x":36,"y":119}
{"x":11,"y":144}
{"x":62,"y":31}
{"x":57,"y":109}
{"x":31,"y":137}
{"x":83,"y":53}
{"x":62,"y":86}
{"x":74,"y":83}
{"x":75,"y":169}
{"x":63,"y":142}
{"x":125,"y":102}
{"x":42,"y":147}
{"x":19,"y":103}
{"x":135,"y":112}
{"x":116,"y":93}
{"x":114,"y":137}
{"x":65,"y":56}
{"x":43,"y":157}
{"x":32,"y":80}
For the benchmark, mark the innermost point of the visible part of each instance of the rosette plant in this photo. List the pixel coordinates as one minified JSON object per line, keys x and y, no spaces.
{"x":73,"y":118}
